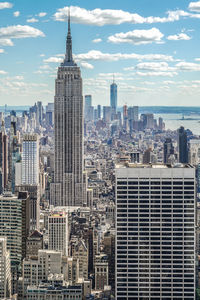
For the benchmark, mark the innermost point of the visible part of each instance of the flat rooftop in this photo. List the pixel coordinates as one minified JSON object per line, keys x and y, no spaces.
{"x":152,"y":166}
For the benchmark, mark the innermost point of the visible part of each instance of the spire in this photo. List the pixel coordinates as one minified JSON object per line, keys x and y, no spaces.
{"x":113,"y":78}
{"x":68,"y":61}
{"x":69,"y":29}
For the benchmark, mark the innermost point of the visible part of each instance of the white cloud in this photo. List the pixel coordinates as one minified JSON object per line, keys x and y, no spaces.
{"x":16,"y":14}
{"x":19,"y":31}
{"x":3,"y":72}
{"x":42,"y":14}
{"x":100,"y":56}
{"x":178,"y":37}
{"x":95,"y":55}
{"x":167,"y":74}
{"x":97,"y":41}
{"x":1,"y":50}
{"x":86,"y":65}
{"x":187,"y":66}
{"x":100,"y":17}
{"x":53,"y":60}
{"x":6,"y":42}
{"x":154,"y":66}
{"x":5,"y":5}
{"x":194,"y":6}
{"x":137,"y":37}
{"x":32,"y":20}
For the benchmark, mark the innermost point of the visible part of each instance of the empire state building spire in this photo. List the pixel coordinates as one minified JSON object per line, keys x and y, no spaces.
{"x":68,"y":61}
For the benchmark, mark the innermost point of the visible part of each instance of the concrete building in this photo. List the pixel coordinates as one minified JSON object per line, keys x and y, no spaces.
{"x":5,"y":270}
{"x":182,"y":145}
{"x":67,"y":189}
{"x":30,"y":160}
{"x":168,"y":150}
{"x":101,"y":272}
{"x":80,"y":251}
{"x":44,"y":291}
{"x":34,"y":195}
{"x":38,"y":268}
{"x":34,"y":243}
{"x":155,"y":232}
{"x":58,"y":231}
{"x":3,"y":159}
{"x":14,"y":225}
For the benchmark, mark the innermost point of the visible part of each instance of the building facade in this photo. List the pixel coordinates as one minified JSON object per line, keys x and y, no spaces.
{"x":30,"y":159}
{"x":58,"y":232}
{"x":67,"y":189}
{"x":155,"y":232}
{"x":5,"y":270}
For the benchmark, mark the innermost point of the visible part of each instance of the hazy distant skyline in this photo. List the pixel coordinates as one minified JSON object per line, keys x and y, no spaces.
{"x":152,"y":47}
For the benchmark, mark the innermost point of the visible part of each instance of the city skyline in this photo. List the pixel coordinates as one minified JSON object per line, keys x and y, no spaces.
{"x":152,"y":50}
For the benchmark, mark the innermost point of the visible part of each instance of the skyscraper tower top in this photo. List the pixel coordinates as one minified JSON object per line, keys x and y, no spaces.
{"x":68,"y":61}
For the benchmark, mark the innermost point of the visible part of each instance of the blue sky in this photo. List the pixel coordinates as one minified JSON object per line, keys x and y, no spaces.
{"x":152,"y":47}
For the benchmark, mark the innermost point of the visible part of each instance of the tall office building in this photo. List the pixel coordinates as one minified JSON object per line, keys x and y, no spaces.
{"x":30,"y":159}
{"x":182,"y":145}
{"x":113,"y":97}
{"x":14,"y":225}
{"x":3,"y":158}
{"x":5,"y":271}
{"x":67,"y":189}
{"x":58,"y":232}
{"x":168,"y":150}
{"x":155,"y":232}
{"x":107,"y":114}
{"x":99,"y":111}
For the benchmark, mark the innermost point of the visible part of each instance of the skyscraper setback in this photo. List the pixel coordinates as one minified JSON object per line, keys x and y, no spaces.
{"x":67,"y":189}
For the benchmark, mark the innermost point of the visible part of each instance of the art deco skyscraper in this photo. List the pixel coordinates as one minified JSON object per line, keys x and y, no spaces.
{"x":67,"y":189}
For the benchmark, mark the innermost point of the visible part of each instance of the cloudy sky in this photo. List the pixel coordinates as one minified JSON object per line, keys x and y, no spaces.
{"x":151,"y":46}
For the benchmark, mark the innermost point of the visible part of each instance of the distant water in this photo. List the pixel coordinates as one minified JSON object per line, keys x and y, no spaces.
{"x":173,"y":122}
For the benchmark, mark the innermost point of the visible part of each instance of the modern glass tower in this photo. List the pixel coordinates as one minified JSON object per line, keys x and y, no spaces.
{"x":67,"y":189}
{"x":113,"y":96}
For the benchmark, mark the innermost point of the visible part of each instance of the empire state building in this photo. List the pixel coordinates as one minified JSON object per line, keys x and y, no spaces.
{"x":68,"y":187}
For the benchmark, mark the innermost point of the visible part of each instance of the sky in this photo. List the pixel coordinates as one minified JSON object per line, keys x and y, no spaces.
{"x":152,"y":48}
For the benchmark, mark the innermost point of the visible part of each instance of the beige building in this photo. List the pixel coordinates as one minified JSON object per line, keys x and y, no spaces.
{"x":80,"y":251}
{"x":5,"y":270}
{"x":58,"y":231}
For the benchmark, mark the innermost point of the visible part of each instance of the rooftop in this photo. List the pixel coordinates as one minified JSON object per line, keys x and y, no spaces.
{"x":153,"y":166}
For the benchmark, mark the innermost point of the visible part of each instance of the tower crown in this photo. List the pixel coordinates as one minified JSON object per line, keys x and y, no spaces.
{"x":68,"y":61}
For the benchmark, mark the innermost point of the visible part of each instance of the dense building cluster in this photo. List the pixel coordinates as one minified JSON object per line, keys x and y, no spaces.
{"x":96,"y":202}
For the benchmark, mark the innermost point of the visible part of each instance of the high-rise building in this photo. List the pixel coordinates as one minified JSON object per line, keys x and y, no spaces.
{"x":67,"y":189}
{"x":99,"y":111}
{"x":113,"y":97}
{"x":5,"y":271}
{"x":14,"y":225}
{"x":168,"y":150}
{"x":39,"y":113}
{"x":155,"y":232}
{"x":58,"y":232}
{"x":30,"y":159}
{"x":3,"y":158}
{"x":182,"y":145}
{"x":107,"y":113}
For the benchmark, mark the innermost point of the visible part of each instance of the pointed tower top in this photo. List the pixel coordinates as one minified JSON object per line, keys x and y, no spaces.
{"x":68,"y":61}
{"x":69,"y":29}
{"x":113,"y":78}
